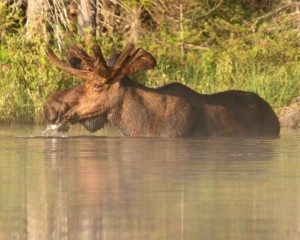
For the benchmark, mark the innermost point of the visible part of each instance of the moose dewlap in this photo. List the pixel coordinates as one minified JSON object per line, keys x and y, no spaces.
{"x":174,"y":110}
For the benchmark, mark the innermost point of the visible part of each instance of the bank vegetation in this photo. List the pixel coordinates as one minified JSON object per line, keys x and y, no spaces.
{"x":210,"y":45}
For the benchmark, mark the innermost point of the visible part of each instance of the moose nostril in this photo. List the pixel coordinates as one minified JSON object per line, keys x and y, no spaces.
{"x":55,"y":111}
{"x":51,"y":115}
{"x":52,"y":118}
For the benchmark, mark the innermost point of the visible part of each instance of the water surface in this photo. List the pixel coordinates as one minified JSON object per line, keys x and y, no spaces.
{"x":104,"y":186}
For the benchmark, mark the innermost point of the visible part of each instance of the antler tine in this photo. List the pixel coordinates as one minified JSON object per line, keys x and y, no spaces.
{"x":136,"y":54}
{"x":100,"y":65}
{"x":123,"y":56}
{"x":140,"y":60}
{"x":61,"y":64}
{"x":98,"y":54}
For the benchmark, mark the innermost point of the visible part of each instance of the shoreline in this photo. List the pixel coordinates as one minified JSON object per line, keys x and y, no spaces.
{"x":290,"y":115}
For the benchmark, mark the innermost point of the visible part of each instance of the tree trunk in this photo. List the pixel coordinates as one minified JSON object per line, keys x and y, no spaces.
{"x":107,"y":11}
{"x":135,"y":25}
{"x":87,"y":17}
{"x":36,"y":18}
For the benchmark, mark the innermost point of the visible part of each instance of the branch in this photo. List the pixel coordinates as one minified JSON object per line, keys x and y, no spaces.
{"x":210,"y":11}
{"x":275,"y":11}
{"x":194,"y":47}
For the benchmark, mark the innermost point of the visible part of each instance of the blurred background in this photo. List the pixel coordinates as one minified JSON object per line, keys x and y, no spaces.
{"x":210,"y":45}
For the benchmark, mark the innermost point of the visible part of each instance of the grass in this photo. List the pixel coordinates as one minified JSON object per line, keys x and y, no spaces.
{"x":277,"y":84}
{"x":27,"y":77}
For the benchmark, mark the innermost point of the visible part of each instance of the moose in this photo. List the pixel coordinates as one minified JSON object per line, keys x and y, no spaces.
{"x":170,"y":111}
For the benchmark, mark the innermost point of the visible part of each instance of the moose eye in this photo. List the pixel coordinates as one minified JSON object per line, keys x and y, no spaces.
{"x":97,"y":87}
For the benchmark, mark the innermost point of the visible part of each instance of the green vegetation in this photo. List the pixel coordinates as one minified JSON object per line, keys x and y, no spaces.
{"x":26,"y":79}
{"x":238,"y":53}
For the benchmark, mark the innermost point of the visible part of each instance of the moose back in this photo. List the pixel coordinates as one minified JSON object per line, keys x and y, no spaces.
{"x":174,"y":110}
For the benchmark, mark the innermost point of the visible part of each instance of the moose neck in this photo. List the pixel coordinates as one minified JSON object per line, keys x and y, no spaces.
{"x":146,"y":112}
{"x":128,"y":114}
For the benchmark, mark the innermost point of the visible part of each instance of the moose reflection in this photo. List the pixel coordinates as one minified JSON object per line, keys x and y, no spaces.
{"x":174,"y":110}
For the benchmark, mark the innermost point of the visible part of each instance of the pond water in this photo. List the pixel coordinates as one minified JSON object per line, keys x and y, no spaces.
{"x":104,"y":186}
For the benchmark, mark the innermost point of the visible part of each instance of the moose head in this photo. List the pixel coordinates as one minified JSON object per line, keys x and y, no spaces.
{"x":89,"y":102}
{"x":174,"y":110}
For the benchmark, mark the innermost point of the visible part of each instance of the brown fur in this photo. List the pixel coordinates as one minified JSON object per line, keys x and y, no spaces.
{"x":173,"y":110}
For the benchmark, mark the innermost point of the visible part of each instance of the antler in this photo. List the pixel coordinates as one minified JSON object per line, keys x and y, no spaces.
{"x":127,"y":64}
{"x":100,"y":63}
{"x":139,"y":61}
{"x":95,"y":68}
{"x":75,"y":61}
{"x":61,"y":64}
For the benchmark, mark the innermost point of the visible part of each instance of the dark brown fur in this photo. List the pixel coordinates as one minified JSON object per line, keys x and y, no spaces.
{"x":173,"y":110}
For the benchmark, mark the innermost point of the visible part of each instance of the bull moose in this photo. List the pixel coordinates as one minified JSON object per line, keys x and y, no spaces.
{"x":174,"y":110}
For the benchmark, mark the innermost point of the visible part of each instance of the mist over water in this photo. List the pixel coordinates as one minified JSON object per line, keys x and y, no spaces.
{"x":103,"y":186}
